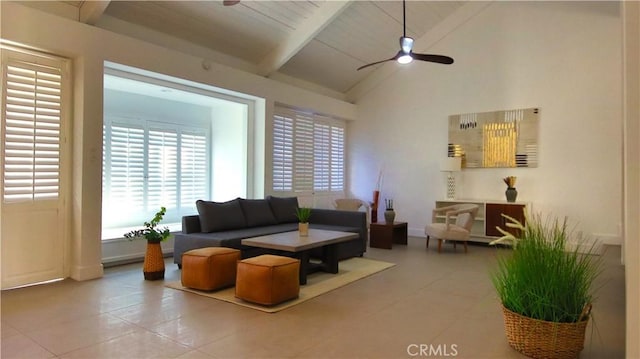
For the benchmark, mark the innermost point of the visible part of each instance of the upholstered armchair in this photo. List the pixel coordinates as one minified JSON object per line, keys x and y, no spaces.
{"x":462,"y":214}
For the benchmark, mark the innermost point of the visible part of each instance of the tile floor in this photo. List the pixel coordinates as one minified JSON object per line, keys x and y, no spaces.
{"x":444,"y":300}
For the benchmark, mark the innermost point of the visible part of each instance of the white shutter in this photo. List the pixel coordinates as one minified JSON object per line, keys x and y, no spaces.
{"x":308,"y":152}
{"x":337,"y":158}
{"x":162,"y":169}
{"x":148,"y":165}
{"x":303,"y":150}
{"x":282,"y":169}
{"x":32,"y":132}
{"x":127,"y":169}
{"x":193,"y":168}
{"x":321,"y":157}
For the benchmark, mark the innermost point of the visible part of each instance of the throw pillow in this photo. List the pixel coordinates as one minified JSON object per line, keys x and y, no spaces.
{"x":257,"y":212}
{"x":220,"y":216}
{"x":284,"y":208}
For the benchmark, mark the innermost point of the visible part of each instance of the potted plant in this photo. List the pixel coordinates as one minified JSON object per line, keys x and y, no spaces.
{"x":153,"y":268}
{"x":546,"y":288}
{"x":303,"y":214}
{"x":389,"y":213}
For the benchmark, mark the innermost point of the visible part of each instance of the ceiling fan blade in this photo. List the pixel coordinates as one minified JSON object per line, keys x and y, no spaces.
{"x":230,"y":2}
{"x":379,"y":62}
{"x":433,"y":58}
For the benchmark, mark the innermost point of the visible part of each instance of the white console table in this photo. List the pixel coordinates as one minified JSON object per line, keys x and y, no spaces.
{"x":489,"y":216}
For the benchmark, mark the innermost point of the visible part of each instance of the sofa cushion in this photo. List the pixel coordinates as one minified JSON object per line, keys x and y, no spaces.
{"x":257,"y":212}
{"x":220,"y":216}
{"x":284,"y":208}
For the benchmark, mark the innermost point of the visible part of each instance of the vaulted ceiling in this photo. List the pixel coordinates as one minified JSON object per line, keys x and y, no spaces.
{"x":311,"y":43}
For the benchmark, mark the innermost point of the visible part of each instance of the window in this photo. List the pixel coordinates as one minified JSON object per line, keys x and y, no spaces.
{"x":150,"y":164}
{"x":308,"y":152}
{"x":32,"y":113}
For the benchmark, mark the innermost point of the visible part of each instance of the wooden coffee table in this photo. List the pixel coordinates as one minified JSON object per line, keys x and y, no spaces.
{"x":301,"y":247}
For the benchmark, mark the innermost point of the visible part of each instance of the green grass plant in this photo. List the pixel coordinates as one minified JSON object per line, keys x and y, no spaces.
{"x":541,"y":277}
{"x":303,"y":214}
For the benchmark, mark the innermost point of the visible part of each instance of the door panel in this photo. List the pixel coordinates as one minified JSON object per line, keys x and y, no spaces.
{"x":32,"y":246}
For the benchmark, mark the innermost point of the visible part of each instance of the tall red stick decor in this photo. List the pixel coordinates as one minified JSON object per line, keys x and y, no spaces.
{"x":376,"y":199}
{"x":374,"y":206}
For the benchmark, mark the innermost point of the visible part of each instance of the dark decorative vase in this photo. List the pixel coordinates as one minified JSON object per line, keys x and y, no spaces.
{"x":389,"y":216}
{"x":511,"y":194}
{"x":374,"y":215}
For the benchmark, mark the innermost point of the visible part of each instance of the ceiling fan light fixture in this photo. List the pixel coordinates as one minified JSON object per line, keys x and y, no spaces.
{"x":405,"y":59}
{"x":406,"y":44}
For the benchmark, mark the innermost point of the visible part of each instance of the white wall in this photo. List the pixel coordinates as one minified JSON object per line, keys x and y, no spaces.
{"x":229,"y":152}
{"x":563,"y":58}
{"x":89,"y":48}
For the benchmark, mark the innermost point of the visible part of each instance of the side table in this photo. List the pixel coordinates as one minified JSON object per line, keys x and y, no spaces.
{"x":383,"y":235}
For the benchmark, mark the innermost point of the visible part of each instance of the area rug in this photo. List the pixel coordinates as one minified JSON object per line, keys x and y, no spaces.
{"x":350,"y":270}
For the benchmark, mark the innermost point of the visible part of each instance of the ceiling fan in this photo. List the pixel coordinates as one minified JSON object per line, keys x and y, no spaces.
{"x":230,"y":2}
{"x":406,"y":55}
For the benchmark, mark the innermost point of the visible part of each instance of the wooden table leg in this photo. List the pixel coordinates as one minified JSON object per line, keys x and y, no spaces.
{"x":304,"y":266}
{"x":331,"y":258}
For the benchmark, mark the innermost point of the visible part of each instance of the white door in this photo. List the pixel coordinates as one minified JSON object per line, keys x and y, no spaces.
{"x":32,"y":167}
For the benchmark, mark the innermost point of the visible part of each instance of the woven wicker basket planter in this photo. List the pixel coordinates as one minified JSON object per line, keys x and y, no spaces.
{"x":153,"y":267}
{"x":541,"y":339}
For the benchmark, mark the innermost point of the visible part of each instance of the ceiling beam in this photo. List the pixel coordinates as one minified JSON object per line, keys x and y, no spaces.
{"x":301,"y":36}
{"x":91,"y":11}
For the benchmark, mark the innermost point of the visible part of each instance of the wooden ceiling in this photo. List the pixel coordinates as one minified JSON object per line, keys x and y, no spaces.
{"x":316,"y":43}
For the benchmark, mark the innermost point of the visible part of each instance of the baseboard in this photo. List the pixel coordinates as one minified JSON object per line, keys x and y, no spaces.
{"x":610,"y":239}
{"x":128,"y":259}
{"x":416,"y":232}
{"x":81,"y":273}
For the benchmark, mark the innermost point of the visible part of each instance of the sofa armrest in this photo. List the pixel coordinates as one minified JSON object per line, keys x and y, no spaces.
{"x":350,"y":219}
{"x":341,"y":218}
{"x":191,"y":224}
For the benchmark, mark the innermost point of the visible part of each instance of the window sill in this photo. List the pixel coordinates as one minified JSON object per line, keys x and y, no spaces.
{"x":117,"y":234}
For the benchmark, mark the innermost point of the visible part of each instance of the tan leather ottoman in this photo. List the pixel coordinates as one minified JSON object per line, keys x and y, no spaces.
{"x":268,"y":279}
{"x":209,"y":268}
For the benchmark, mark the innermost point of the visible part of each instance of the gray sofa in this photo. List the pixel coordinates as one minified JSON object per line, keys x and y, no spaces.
{"x":225,"y":224}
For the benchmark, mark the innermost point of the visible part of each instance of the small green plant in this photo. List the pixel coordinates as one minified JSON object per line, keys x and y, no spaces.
{"x":541,"y":277}
{"x":303,"y":214}
{"x":151,"y":232}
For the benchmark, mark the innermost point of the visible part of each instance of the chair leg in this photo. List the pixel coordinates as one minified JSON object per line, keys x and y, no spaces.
{"x":427,"y":241}
{"x":454,"y":245}
{"x":439,"y":244}
{"x":465,"y":246}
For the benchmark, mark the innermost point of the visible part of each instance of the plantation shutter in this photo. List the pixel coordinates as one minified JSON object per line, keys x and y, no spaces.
{"x":303,"y":154}
{"x":148,"y":165}
{"x":126,"y":166}
{"x":321,"y":157}
{"x":162,"y":169}
{"x":282,"y":153}
{"x":193,"y":168}
{"x":337,"y":158}
{"x":308,"y":152}
{"x":32,"y":132}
